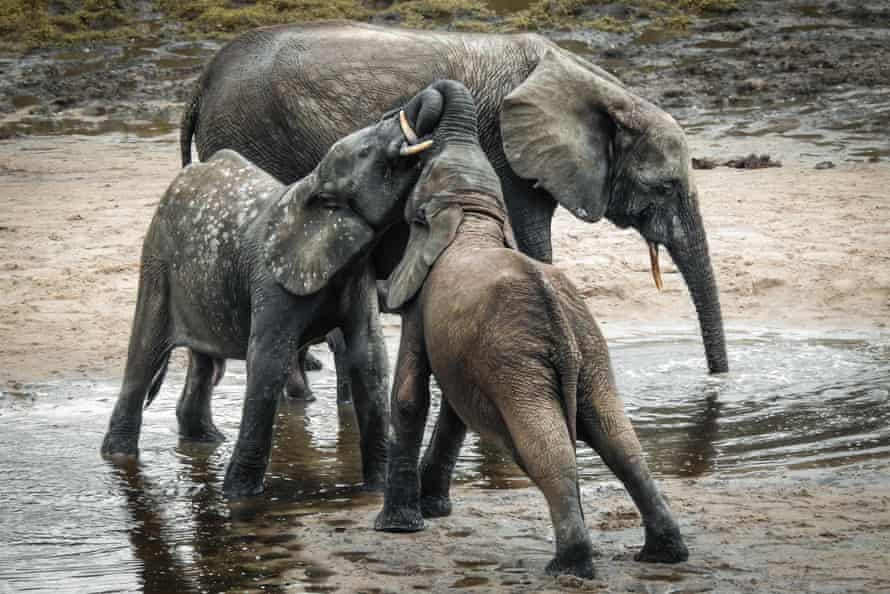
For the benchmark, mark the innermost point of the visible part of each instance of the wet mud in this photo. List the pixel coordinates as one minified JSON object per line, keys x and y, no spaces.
{"x":794,"y":406}
{"x":805,"y":81}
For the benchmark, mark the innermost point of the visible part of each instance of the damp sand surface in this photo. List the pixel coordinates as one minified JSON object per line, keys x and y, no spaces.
{"x":778,"y":473}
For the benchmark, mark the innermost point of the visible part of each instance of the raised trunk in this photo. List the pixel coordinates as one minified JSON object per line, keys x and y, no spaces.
{"x":458,"y":123}
{"x":694,"y":264}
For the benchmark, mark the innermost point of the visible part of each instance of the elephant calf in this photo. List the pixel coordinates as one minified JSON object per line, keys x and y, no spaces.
{"x":516,"y":353}
{"x":236,"y":265}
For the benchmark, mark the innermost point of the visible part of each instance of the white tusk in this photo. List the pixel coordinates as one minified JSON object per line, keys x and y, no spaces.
{"x":409,"y":133}
{"x":415,"y":148}
{"x":653,"y":262}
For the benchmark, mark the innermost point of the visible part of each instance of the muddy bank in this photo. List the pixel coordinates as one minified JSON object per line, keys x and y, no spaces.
{"x":806,"y":81}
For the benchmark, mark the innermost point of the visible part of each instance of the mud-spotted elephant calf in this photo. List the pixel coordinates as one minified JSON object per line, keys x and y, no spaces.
{"x":516,"y":353}
{"x":236,"y":265}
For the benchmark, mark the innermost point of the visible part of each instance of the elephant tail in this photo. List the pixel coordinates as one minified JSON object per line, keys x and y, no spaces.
{"x":187,"y":126}
{"x":155,"y":386}
{"x":565,"y":355}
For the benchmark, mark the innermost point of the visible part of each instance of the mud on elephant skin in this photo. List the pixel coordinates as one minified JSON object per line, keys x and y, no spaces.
{"x":236,"y":265}
{"x":515,"y":351}
{"x":556,"y":128}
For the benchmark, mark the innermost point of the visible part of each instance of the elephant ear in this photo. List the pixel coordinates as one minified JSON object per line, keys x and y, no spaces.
{"x":428,"y":239}
{"x":557,"y":128}
{"x":309,"y":240}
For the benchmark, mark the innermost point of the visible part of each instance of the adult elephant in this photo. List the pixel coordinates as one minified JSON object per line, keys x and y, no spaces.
{"x":557,"y":129}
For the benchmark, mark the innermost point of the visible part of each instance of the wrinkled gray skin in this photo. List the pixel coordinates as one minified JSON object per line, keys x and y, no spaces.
{"x":282,"y":95}
{"x":235,"y":265}
{"x":514,"y":349}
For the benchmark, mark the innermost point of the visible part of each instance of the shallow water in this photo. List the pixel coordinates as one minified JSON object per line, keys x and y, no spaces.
{"x":70,"y":522}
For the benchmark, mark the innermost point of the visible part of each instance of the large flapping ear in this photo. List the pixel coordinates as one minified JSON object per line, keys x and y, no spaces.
{"x":430,"y":235}
{"x":309,"y":240}
{"x":558,"y":127}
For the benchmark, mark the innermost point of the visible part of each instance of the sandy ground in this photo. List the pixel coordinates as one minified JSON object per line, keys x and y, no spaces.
{"x":792,"y":246}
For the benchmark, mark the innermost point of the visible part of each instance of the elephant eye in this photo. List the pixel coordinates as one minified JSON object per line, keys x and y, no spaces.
{"x":364,"y":153}
{"x":327,"y":201}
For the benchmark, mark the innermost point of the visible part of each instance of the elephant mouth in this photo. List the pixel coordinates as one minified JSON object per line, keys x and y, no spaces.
{"x":654,"y":264}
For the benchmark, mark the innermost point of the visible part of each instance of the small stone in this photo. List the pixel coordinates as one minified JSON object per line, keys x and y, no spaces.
{"x":752,"y":85}
{"x":703,"y":163}
{"x":825,"y":165}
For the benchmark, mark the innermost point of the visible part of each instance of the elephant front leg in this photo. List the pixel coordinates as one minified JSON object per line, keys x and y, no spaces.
{"x":410,"y":404}
{"x":439,"y":461}
{"x":266,"y":376}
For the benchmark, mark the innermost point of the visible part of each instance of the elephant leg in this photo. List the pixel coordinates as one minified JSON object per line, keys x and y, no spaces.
{"x":365,"y":353}
{"x":544,"y":450}
{"x":439,"y":461}
{"x":410,"y":404}
{"x":297,"y":386}
{"x":337,"y":344}
{"x":312,"y":363}
{"x":193,"y":409}
{"x":604,"y":426}
{"x":267,"y":365}
{"x":147,"y":357}
{"x":531,"y":212}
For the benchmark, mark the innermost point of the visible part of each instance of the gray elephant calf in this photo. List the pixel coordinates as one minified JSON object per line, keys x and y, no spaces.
{"x":517,"y":355}
{"x":236,"y":265}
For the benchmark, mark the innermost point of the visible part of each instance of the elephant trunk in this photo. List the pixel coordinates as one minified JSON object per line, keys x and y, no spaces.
{"x":694,"y":263}
{"x":458,"y":123}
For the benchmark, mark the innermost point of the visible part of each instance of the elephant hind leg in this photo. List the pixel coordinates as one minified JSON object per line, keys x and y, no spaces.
{"x":604,"y":426}
{"x":147,"y":358}
{"x":193,"y":409}
{"x":544,"y":450}
{"x":297,"y":386}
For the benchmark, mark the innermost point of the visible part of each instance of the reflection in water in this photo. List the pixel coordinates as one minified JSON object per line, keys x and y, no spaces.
{"x":72,"y":523}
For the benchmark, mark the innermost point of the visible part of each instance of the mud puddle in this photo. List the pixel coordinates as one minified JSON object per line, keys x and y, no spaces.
{"x":73,"y":523}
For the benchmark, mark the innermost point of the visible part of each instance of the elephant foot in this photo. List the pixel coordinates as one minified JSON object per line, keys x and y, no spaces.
{"x":576,"y":560}
{"x":664,"y":548}
{"x":312,"y":363}
{"x":401,"y":519}
{"x":435,"y":506}
{"x":120,"y":445}
{"x":242,"y":482}
{"x":344,"y":393}
{"x":203,"y":432}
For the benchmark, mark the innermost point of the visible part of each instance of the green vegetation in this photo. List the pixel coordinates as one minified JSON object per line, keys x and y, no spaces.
{"x":33,"y":23}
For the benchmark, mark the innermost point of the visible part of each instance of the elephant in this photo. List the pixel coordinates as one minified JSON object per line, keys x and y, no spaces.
{"x":236,"y":265}
{"x":514,"y":349}
{"x":282,"y":95}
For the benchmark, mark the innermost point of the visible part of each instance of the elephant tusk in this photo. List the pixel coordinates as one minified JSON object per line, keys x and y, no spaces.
{"x":409,"y":133}
{"x":415,"y":149}
{"x":653,"y":261}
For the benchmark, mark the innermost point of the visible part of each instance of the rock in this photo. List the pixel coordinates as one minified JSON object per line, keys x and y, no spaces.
{"x":753,"y":161}
{"x":825,"y":165}
{"x":703,"y":163}
{"x":752,"y":85}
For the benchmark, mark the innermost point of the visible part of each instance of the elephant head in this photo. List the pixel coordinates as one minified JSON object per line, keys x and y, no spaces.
{"x":327,"y":220}
{"x":456,"y":177}
{"x":600,"y":150}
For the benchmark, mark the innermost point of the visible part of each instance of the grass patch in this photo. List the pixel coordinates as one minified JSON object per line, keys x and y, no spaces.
{"x":32,"y":23}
